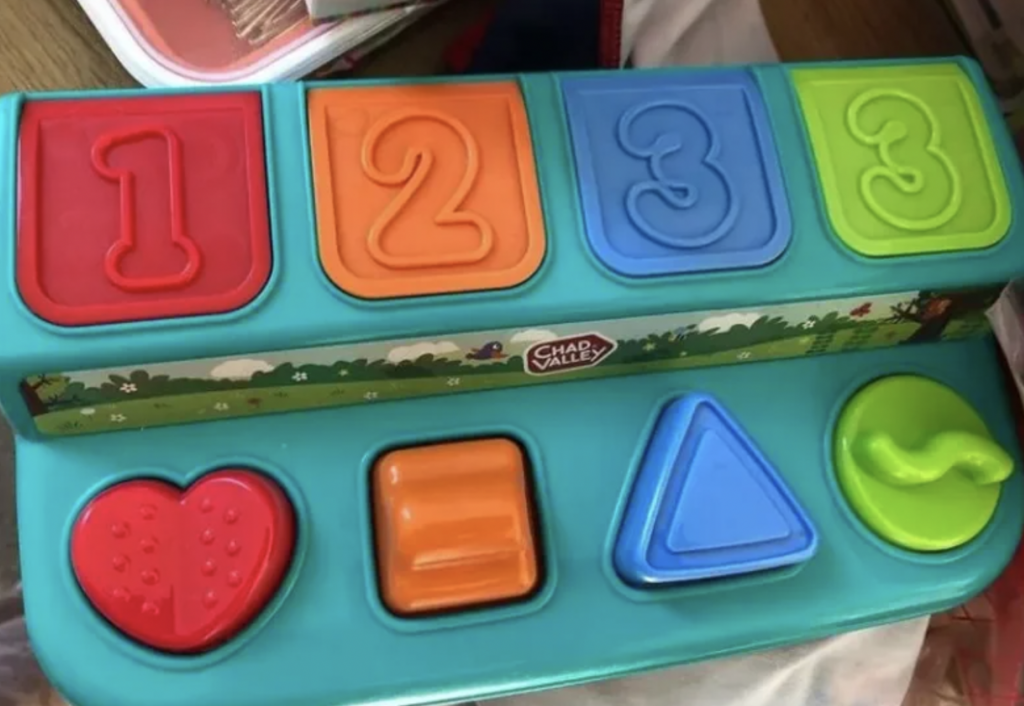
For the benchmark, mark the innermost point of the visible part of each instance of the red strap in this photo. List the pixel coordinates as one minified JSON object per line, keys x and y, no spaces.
{"x":611,"y":34}
{"x":460,"y":52}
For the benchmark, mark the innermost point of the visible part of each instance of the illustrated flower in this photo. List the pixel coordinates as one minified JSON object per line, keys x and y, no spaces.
{"x":343,"y":372}
{"x":862,"y":310}
{"x":745,"y":355}
{"x":809,"y":324}
{"x":118,"y":418}
{"x":650,"y":346}
{"x":221,"y":406}
{"x":370,"y":396}
{"x":453,"y":382}
{"x":300,"y":377}
{"x":88,"y":411}
{"x":128,"y":388}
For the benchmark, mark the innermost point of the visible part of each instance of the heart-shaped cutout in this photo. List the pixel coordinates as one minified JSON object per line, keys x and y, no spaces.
{"x":184,"y":571}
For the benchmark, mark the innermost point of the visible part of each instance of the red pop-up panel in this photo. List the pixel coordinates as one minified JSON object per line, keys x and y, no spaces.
{"x":142,"y":208}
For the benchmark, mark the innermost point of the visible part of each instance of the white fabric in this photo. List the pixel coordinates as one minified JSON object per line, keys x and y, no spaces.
{"x":864,"y":668}
{"x":668,"y":32}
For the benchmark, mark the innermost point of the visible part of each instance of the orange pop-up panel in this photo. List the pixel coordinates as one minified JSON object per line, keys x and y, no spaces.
{"x":142,"y":207}
{"x":425,"y":189}
{"x":453,"y":526}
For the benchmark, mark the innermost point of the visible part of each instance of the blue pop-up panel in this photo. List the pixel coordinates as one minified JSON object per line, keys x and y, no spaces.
{"x":677,"y":173}
{"x":707,"y":503}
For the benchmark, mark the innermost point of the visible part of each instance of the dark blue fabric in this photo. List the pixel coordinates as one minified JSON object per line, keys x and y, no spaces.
{"x":541,"y":35}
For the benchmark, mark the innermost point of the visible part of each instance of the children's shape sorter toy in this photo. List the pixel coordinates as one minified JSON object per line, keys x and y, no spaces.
{"x":282,"y":365}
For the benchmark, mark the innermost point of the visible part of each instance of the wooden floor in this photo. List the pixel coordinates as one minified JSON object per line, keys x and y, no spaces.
{"x":49,"y":44}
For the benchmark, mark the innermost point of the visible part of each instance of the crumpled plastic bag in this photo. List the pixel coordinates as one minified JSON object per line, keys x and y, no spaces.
{"x":694,"y":32}
{"x":21,"y":681}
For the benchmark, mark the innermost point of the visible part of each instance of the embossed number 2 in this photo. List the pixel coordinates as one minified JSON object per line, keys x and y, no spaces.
{"x":127,"y":239}
{"x":410,"y":176}
{"x":907,"y":178}
{"x":690,"y":150}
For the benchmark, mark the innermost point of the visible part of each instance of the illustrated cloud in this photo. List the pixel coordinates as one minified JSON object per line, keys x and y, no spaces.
{"x":533,"y":335}
{"x":728,"y":321}
{"x":240,"y":369}
{"x":439,"y":349}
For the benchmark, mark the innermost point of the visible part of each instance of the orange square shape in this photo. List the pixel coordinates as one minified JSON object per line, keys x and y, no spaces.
{"x":453,"y":526}
{"x":425,"y":189}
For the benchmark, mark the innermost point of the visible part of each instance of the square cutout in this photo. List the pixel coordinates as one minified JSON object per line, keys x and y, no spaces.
{"x":905,"y":159}
{"x":140,"y":208}
{"x":453,"y":526}
{"x":425,"y":189}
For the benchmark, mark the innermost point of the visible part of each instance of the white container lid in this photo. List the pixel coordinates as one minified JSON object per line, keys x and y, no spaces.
{"x":296,"y":53}
{"x":328,"y":9}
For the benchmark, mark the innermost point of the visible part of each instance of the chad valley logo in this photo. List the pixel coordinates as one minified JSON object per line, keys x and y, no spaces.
{"x":561,"y":355}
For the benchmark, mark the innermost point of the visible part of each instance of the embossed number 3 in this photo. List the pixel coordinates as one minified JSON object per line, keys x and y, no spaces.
{"x":693,"y":158}
{"x":908,"y":179}
{"x":411,"y":175}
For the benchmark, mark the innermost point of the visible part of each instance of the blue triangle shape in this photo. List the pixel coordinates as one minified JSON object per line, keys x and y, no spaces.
{"x":721,"y":505}
{"x":706,"y":503}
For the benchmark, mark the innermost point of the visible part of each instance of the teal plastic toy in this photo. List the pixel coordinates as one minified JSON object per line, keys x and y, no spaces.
{"x":282,"y":365}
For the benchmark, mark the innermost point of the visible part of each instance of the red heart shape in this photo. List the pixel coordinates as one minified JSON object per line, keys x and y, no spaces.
{"x":184,"y":571}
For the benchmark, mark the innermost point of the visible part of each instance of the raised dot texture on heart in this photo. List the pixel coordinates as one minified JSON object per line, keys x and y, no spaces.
{"x":179,"y":597}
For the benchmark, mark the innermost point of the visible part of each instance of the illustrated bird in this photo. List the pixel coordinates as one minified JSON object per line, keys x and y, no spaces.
{"x":489,"y":351}
{"x":862,"y":310}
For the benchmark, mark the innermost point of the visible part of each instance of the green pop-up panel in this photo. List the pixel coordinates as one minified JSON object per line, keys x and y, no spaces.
{"x":905,"y":159}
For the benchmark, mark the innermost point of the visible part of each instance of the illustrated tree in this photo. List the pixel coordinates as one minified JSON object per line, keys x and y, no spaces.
{"x":75,"y":394}
{"x":39,"y":391}
{"x":933,"y":311}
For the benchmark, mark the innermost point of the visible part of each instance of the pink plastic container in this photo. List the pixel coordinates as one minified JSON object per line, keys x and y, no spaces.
{"x":197,"y":42}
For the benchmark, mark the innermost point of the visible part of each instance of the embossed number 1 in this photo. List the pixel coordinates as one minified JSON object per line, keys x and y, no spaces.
{"x":127,"y":239}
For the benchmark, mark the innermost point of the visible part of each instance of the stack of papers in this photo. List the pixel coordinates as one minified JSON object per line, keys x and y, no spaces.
{"x":333,"y":9}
